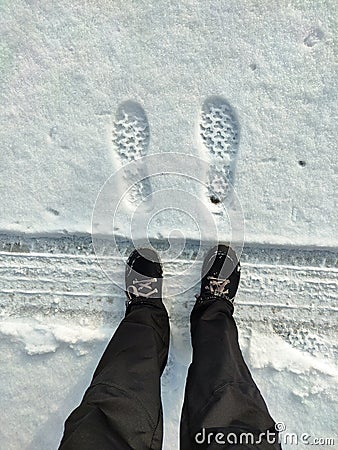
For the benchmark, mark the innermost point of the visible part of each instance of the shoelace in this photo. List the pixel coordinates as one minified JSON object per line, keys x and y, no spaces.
{"x":142,"y":288}
{"x":217,"y":286}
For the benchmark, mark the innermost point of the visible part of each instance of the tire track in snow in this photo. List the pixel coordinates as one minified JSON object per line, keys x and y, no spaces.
{"x":292,"y":291}
{"x":281,"y":285}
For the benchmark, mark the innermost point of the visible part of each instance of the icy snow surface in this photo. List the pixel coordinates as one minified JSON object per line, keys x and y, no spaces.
{"x":243,"y":93}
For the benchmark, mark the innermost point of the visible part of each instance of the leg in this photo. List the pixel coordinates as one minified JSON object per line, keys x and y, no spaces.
{"x":220,"y":395}
{"x":220,"y":392}
{"x":122,"y":406}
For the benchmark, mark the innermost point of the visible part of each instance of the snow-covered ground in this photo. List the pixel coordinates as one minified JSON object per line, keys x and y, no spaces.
{"x":241,"y":92}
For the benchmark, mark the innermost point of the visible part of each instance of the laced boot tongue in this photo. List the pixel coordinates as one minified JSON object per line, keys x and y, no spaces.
{"x":143,"y":277}
{"x":216,"y":280}
{"x":218,"y":286}
{"x":220,"y":274}
{"x":144,"y":288}
{"x":215,"y":288}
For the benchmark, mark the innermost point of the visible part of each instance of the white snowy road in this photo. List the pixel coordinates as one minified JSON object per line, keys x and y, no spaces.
{"x":248,"y":89}
{"x":58,"y":310}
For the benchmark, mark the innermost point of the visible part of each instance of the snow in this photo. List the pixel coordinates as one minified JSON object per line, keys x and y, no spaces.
{"x":62,"y":86}
{"x":212,"y":92}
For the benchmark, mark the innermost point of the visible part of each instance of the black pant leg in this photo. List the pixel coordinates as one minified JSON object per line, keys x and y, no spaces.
{"x":220,"y":393}
{"x":122,"y":407}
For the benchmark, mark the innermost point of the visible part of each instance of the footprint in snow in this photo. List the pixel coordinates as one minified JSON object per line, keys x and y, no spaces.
{"x":130,"y":137}
{"x":219,"y":134}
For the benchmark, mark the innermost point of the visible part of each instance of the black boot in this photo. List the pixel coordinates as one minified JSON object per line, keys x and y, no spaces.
{"x":144,"y":277}
{"x":220,"y":274}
